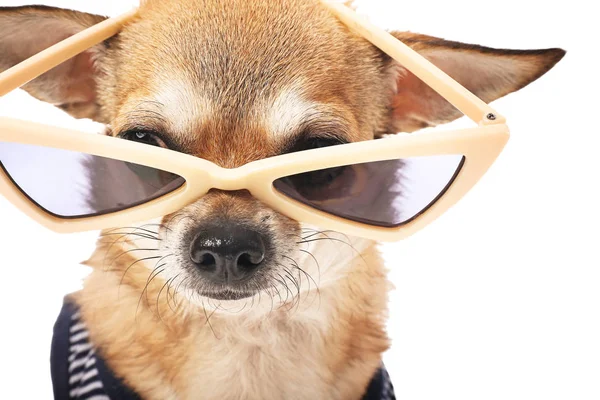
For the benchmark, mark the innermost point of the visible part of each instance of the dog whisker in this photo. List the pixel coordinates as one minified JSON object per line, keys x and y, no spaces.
{"x":315,"y":260}
{"x":169,"y":295}
{"x":182,"y":282}
{"x":138,"y":234}
{"x":295,"y":298}
{"x":310,"y":278}
{"x":325,"y":238}
{"x":288,"y":291}
{"x":151,"y":277}
{"x":326,"y":232}
{"x":128,"y":252}
{"x":135,"y":232}
{"x":132,"y":264}
{"x":358,"y":253}
{"x":158,"y":304}
{"x":274,"y":286}
{"x":141,"y":227}
{"x":208,"y":319}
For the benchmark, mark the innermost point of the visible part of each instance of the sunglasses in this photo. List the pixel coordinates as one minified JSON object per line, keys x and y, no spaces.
{"x":384,"y":189}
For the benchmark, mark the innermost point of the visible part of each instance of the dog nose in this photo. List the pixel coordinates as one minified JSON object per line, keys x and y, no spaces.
{"x":227,"y":255}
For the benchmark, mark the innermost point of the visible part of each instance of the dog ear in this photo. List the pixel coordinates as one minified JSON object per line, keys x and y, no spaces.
{"x":488,"y":73}
{"x":25,"y":31}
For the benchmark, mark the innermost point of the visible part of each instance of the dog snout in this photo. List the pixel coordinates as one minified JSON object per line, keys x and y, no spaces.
{"x":226,"y":255}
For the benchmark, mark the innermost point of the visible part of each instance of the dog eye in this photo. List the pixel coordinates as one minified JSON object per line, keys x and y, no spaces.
{"x":144,"y":137}
{"x":313,"y":143}
{"x":318,"y":143}
{"x":322,"y":184}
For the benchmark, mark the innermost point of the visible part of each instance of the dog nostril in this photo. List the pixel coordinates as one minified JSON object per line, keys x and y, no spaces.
{"x":207,"y":260}
{"x":250,"y":260}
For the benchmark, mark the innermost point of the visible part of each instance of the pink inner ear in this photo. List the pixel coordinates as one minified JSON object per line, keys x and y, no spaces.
{"x":415,"y":104}
{"x":79,"y":85}
{"x":406,"y":103}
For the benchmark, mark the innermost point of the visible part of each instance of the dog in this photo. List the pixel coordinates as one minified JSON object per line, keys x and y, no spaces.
{"x":234,"y":81}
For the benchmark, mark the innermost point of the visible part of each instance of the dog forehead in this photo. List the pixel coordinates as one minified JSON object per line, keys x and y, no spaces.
{"x":229,"y":42}
{"x":186,"y":109}
{"x":206,"y":59}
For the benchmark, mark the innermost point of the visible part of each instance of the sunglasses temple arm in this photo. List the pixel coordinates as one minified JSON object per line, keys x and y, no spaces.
{"x":49,"y":58}
{"x":461,"y":98}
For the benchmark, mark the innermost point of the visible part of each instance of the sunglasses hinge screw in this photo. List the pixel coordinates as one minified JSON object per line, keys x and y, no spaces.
{"x":491,"y":116}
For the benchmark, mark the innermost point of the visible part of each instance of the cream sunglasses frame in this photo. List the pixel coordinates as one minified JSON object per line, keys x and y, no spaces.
{"x":480,"y":146}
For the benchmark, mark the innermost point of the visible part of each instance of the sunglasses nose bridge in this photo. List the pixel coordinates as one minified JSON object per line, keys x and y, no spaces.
{"x":228,"y":179}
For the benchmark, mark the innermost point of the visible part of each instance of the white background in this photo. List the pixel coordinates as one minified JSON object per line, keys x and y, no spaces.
{"x":498,"y":299}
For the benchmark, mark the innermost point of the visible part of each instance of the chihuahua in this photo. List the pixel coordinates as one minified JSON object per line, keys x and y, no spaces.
{"x":227,"y":298}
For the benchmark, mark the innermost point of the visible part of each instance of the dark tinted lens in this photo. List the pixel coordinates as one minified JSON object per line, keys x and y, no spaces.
{"x":70,"y":184}
{"x":382,"y":193}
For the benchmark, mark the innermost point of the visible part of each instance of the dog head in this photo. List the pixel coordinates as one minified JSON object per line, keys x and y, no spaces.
{"x":234,"y":81}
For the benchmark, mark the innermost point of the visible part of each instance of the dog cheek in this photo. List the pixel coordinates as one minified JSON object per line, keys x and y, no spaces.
{"x":329,"y":253}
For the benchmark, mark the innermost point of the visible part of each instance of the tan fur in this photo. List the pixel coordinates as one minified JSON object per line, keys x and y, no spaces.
{"x":234,"y":81}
